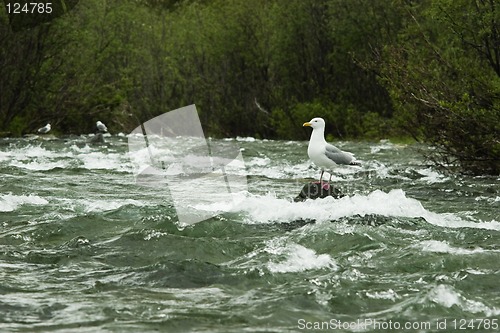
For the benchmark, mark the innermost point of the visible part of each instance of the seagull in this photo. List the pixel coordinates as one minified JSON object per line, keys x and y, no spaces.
{"x":323,"y":154}
{"x":101,"y":127}
{"x":44,"y":130}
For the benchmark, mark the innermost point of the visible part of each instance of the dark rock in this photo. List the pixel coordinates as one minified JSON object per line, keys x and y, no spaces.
{"x":316,"y":190}
{"x":289,"y":226}
{"x":372,"y":220}
{"x":96,"y":139}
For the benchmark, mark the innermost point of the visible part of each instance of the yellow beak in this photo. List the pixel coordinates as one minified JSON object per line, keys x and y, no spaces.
{"x":307,"y":124}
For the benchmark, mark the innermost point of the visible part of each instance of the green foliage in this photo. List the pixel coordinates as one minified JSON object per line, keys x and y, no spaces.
{"x":262,"y":68}
{"x":374,"y":126}
{"x":289,"y":124}
{"x":225,"y":56}
{"x":342,"y":122}
{"x":17,"y":126}
{"x":444,"y":80}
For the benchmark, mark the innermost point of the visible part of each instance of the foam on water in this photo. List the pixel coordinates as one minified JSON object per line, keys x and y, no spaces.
{"x":29,"y":151}
{"x":296,"y":258}
{"x":489,"y":199}
{"x":100,"y":205}
{"x":258,"y":162}
{"x":447,"y":296}
{"x":34,"y":158}
{"x":444,"y":247}
{"x":81,"y":150}
{"x":104,"y":161}
{"x":269,"y":208}
{"x":382,"y":145}
{"x":39,"y":165}
{"x":10,"y":202}
{"x":245,"y":139}
{"x":432,"y":176}
{"x":386,"y":294}
{"x":264,"y":166}
{"x":4,"y":156}
{"x":37,"y":158}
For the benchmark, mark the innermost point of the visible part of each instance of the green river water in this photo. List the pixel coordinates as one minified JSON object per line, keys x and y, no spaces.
{"x":85,"y":247}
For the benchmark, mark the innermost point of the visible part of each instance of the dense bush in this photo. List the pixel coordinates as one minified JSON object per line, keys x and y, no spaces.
{"x":261,"y":68}
{"x":444,"y":79}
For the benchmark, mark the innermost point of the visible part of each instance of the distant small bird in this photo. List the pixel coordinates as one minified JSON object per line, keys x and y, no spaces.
{"x":45,"y":129}
{"x":323,"y":154}
{"x":101,"y":127}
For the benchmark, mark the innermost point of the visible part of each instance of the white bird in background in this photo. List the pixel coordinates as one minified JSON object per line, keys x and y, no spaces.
{"x":323,"y":154}
{"x":101,"y":127}
{"x":45,"y":129}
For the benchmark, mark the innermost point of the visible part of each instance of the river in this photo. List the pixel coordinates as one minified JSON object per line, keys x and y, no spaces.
{"x":85,"y":247}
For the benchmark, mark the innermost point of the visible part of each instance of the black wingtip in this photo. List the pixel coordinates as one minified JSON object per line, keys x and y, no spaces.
{"x":355,"y":163}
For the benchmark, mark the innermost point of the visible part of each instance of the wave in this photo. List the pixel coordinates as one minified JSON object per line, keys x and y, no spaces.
{"x":293,"y":257}
{"x":10,"y":202}
{"x":281,"y":255}
{"x":38,"y":158}
{"x":444,"y":247}
{"x":258,"y":209}
{"x":100,"y":205}
{"x":447,"y":296}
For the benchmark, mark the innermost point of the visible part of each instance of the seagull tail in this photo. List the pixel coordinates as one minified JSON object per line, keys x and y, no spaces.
{"x":355,"y":163}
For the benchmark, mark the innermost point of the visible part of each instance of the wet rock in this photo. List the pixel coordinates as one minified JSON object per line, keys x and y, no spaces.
{"x":318,"y":190}
{"x":97,"y":139}
{"x":289,"y":226}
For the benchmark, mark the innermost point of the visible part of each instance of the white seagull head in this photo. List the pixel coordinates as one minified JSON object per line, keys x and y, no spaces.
{"x":315,"y":123}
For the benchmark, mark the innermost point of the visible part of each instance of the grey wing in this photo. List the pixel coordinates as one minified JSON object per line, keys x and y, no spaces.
{"x":332,"y":149}
{"x":338,"y":156}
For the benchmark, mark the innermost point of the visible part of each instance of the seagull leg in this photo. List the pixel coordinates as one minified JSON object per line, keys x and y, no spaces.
{"x":327,"y":185}
{"x":324,"y":186}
